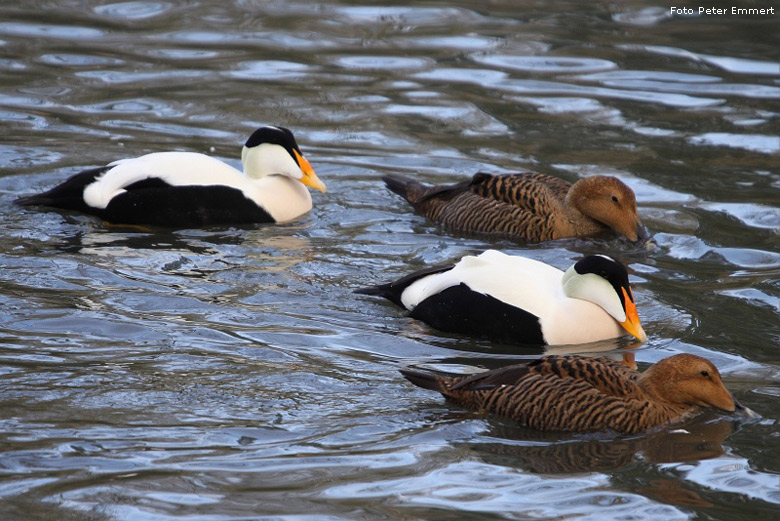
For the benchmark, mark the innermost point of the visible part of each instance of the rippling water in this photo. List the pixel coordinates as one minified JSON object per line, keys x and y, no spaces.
{"x":230,"y":373}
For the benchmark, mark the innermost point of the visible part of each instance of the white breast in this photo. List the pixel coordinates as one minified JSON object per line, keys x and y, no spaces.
{"x":282,"y":197}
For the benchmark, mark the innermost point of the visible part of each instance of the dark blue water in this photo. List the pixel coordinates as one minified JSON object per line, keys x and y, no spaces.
{"x":230,"y":373}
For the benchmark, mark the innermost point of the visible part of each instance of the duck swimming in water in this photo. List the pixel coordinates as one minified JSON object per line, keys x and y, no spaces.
{"x":513,"y":299}
{"x":187,"y":189}
{"x":579,"y":393}
{"x":527,"y":206}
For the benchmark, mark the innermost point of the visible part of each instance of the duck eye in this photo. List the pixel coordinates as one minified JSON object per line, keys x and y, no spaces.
{"x":705,"y":374}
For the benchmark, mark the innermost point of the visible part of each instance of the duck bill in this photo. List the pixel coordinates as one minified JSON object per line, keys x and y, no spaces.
{"x":642,"y":234}
{"x":745,"y":412}
{"x":635,"y":231}
{"x":309,"y":177}
{"x":632,"y":324}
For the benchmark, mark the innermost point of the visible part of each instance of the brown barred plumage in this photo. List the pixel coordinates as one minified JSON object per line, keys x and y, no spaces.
{"x":528,"y":206}
{"x":577,"y":393}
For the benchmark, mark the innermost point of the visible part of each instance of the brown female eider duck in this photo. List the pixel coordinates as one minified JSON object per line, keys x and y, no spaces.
{"x":186,"y":189}
{"x":578,"y":393}
{"x":527,"y":206}
{"x":513,"y":299}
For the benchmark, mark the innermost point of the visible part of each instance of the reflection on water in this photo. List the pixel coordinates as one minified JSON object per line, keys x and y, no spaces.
{"x":548,"y":454}
{"x":231,"y":373}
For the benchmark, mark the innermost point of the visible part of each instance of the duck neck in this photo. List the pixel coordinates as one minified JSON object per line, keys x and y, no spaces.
{"x":580,"y":223}
{"x":653,"y":386}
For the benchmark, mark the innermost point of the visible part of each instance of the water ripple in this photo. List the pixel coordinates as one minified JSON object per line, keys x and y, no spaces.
{"x":498,"y":80}
{"x":271,"y":70}
{"x":543,"y":64}
{"x":134,"y":10}
{"x":382,"y":62}
{"x":658,"y":76}
{"x":129,"y":77}
{"x":755,"y":215}
{"x":62,"y":32}
{"x":470,"y":42}
{"x":416,"y":16}
{"x":737,"y":477}
{"x":753,"y":142}
{"x":71,"y":60}
{"x":727,"y":63}
{"x":694,"y":87}
{"x":483,"y":488}
{"x":197,"y":374}
{"x":643,"y":17}
{"x":15,"y":157}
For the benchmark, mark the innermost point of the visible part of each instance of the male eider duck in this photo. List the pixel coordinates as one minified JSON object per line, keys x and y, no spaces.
{"x":578,"y":393}
{"x":186,"y":189}
{"x":519,"y":300}
{"x":527,"y":206}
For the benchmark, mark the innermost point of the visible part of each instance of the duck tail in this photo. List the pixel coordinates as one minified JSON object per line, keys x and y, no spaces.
{"x":54,"y":199}
{"x":32,"y":200}
{"x":393,"y":291}
{"x":406,"y":187}
{"x":68,"y":195}
{"x":424,"y":379}
{"x":370,"y":290}
{"x":388,"y":291}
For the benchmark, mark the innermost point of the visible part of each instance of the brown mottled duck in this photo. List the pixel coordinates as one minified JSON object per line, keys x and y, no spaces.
{"x":578,"y":393}
{"x":527,"y":206}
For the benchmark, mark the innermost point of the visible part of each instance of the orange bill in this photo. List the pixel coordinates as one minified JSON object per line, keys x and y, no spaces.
{"x":309,"y":177}
{"x":631,"y":323}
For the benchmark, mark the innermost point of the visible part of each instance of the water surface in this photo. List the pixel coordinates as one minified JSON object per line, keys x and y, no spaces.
{"x":230,"y":373}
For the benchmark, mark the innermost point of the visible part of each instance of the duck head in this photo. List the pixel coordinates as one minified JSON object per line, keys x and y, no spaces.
{"x":609,"y":201}
{"x":690,"y":380}
{"x":274,"y":151}
{"x":604,"y":281}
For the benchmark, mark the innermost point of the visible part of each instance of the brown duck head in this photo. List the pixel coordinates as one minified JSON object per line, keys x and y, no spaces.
{"x":687,"y":380}
{"x":610,"y":201}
